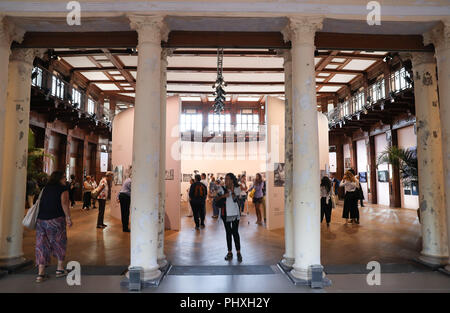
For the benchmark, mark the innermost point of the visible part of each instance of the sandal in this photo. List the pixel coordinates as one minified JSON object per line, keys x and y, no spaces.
{"x":42,"y":277}
{"x":61,"y":273}
{"x":229,"y":256}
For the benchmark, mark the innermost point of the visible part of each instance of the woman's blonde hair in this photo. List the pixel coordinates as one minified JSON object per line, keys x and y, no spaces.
{"x":349,"y":176}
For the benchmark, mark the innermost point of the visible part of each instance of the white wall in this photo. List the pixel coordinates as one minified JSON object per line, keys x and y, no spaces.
{"x":362,"y":164}
{"x":275,"y":147}
{"x":122,"y":149}
{"x":407,"y":139}
{"x":382,"y":188}
{"x":223,"y":158}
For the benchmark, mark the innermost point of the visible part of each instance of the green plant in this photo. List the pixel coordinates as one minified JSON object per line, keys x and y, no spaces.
{"x":35,"y":158}
{"x":405,"y":159}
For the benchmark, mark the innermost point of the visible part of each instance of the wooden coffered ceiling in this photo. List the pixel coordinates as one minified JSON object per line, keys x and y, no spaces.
{"x":192,"y":72}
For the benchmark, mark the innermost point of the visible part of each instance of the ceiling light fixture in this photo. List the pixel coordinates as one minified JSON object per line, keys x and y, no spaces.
{"x":219,"y":101}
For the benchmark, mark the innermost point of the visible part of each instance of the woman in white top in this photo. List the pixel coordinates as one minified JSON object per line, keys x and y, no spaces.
{"x":231,"y":215}
{"x":350,"y":185}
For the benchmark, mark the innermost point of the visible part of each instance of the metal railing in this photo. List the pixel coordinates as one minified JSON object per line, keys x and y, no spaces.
{"x":365,"y":99}
{"x":54,"y":86}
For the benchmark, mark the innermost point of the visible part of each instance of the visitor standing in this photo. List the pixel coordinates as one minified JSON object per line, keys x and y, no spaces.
{"x":87,"y":193}
{"x":190,"y":211}
{"x":325,"y":200}
{"x":103,"y":190}
{"x":243,"y":193}
{"x":197,"y":198}
{"x":258,"y":186}
{"x":53,"y":216}
{"x":350,"y":185}
{"x":124,"y":198}
{"x":204,"y":181}
{"x":230,"y":215}
{"x":31,"y":191}
{"x":213,"y":188}
{"x":94,"y":185}
{"x":72,"y":187}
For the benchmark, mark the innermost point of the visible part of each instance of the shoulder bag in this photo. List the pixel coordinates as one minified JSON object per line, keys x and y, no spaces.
{"x":30,"y":219}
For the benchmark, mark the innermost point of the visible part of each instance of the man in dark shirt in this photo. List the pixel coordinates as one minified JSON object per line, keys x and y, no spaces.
{"x":197,"y":198}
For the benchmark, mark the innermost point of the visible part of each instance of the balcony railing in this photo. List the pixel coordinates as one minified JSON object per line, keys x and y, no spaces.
{"x":361,"y":101}
{"x":55,"y":87}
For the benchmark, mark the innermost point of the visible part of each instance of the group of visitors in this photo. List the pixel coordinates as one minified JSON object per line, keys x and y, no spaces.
{"x":353,"y":194}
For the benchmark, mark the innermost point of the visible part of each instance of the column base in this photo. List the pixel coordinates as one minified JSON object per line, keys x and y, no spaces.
{"x":163,"y":263}
{"x":305,"y":280}
{"x":150,"y":279}
{"x":432,"y":261}
{"x":287,"y":263}
{"x":445,"y":270}
{"x":14,"y":264}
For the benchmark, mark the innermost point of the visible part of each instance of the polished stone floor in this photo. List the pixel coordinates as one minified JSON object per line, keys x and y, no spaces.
{"x":385,"y":234}
{"x":389,"y":236}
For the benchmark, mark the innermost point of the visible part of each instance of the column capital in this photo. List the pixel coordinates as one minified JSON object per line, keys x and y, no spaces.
{"x":418,"y":58}
{"x":439,"y":36}
{"x":150,"y":28}
{"x":9,"y":32}
{"x":303,"y":29}
{"x":26,"y":55}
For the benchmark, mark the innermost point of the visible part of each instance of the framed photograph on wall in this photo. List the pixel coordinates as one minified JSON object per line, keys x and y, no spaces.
{"x":279,"y":175}
{"x":118,"y":174}
{"x":363,"y":177}
{"x":347,"y":163}
{"x":170,"y":174}
{"x":187,"y":178}
{"x":383,"y":176}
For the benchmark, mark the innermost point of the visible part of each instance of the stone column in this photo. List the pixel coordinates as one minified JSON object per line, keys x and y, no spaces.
{"x":8,"y":33}
{"x":15,"y":155}
{"x":440,"y":37}
{"x":289,"y":256}
{"x":429,"y":155}
{"x":162,"y":165}
{"x":306,"y":169}
{"x":145,"y":193}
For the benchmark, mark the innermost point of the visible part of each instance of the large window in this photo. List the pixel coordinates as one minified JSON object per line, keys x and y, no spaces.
{"x":346,"y":108}
{"x":191,"y":121}
{"x":57,"y":87}
{"x":247,"y":120}
{"x":37,"y":77}
{"x":76,"y":98}
{"x":91,"y":106}
{"x":219,"y":122}
{"x":398,"y":80}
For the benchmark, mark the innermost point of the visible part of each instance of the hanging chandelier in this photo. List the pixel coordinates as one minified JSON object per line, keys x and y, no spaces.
{"x":219,"y":101}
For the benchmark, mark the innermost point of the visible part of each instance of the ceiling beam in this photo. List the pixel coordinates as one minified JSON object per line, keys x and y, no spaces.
{"x":183,"y":39}
{"x":120,"y":67}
